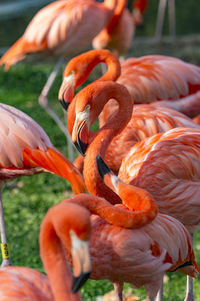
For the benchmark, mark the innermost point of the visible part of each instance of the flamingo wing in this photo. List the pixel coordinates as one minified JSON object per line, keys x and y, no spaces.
{"x":19,"y":282}
{"x":25,"y":149}
{"x":64,"y":28}
{"x":168,"y":166}
{"x":157,"y":77}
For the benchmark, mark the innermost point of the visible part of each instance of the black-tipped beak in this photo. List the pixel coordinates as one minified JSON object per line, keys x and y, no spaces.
{"x":81,"y":146}
{"x":65,"y":104}
{"x":103,"y":169}
{"x":78,"y":282}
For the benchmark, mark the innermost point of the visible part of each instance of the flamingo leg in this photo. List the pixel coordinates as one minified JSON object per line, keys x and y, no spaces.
{"x":43,"y":101}
{"x":160,"y":19}
{"x":4,"y":243}
{"x":172,"y":18}
{"x":189,"y":286}
{"x":159,"y":296}
{"x":118,"y":289}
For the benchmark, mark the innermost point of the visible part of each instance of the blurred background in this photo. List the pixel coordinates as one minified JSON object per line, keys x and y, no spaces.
{"x":15,"y":16}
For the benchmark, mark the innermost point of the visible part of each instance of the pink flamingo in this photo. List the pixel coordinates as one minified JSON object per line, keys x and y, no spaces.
{"x":60,"y":29}
{"x":168,"y":169}
{"x":148,"y":78}
{"x":118,"y":34}
{"x":27,"y":150}
{"x":136,"y":254}
{"x":57,"y":230}
{"x":146,"y":120}
{"x":141,"y":239}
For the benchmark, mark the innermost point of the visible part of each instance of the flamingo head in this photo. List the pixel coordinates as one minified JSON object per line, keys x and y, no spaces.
{"x":89,"y":103}
{"x":134,"y":198}
{"x":66,"y":92}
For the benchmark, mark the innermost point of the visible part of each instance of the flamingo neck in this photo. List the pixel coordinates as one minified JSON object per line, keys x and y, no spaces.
{"x":110,"y":4}
{"x":115,"y":215}
{"x":114,"y":125}
{"x":117,"y":15}
{"x":88,"y":61}
{"x":55,"y":264}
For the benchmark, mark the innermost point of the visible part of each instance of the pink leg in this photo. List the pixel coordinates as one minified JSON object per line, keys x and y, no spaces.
{"x":118,"y":289}
{"x":43,"y":101}
{"x":189,"y":287}
{"x":4,"y":243}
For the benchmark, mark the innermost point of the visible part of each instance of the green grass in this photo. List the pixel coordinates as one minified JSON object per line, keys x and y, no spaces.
{"x":26,"y":200}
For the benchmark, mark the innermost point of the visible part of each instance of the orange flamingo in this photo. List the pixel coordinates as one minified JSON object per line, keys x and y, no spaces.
{"x":143,"y":250}
{"x":139,"y":8}
{"x":122,"y":189}
{"x":197,"y":119}
{"x":62,"y":28}
{"x":169,"y":170}
{"x":57,"y":229}
{"x":26,"y":150}
{"x":146,"y":121}
{"x":136,"y":254}
{"x":148,"y":78}
{"x":118,"y":34}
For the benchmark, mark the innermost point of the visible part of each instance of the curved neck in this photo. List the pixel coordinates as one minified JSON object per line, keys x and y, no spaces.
{"x":54,"y":261}
{"x":110,"y":4}
{"x":117,"y":15}
{"x":115,"y":215}
{"x":115,"y":124}
{"x":89,"y":61}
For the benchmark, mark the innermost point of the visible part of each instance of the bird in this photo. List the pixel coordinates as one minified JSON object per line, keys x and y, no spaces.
{"x":166,"y":164}
{"x":60,"y":29}
{"x":146,"y":121}
{"x":25,"y":150}
{"x":119,"y":187}
{"x":127,"y":246}
{"x":139,"y":8}
{"x":57,"y":230}
{"x":148,"y":78}
{"x":118,"y":34}
{"x":159,"y":118}
{"x":197,"y":119}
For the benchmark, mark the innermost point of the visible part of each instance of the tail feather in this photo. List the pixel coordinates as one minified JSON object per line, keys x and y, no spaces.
{"x":18,"y":52}
{"x":53,"y":161}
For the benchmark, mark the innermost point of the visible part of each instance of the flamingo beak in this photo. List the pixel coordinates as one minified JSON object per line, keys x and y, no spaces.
{"x":81,"y":262}
{"x":109,"y":178}
{"x":66,"y":92}
{"x":80,"y":133}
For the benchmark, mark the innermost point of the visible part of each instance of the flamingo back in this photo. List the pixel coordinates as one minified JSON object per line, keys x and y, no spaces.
{"x":19,"y":282}
{"x":156,"y":77}
{"x":140,"y":256}
{"x":168,"y":166}
{"x":62,"y":28}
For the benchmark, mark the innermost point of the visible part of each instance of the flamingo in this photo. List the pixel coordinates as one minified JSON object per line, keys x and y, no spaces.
{"x":146,"y":120}
{"x":118,"y":34}
{"x":160,"y":119}
{"x":57,"y":229}
{"x":139,"y":8}
{"x":116,"y":184}
{"x":27,"y":150}
{"x":61,"y":29}
{"x":197,"y":119}
{"x":148,"y":78}
{"x":131,"y":243}
{"x":167,"y":165}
